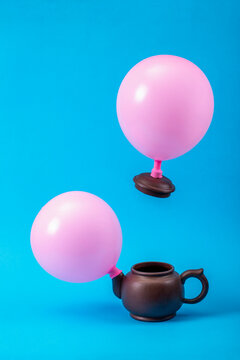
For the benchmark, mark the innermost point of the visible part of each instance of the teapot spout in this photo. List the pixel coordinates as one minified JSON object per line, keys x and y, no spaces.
{"x":117,"y":284}
{"x":117,"y":277}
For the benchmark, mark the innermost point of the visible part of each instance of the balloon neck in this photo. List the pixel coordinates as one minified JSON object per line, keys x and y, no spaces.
{"x":156,"y":171}
{"x":114,"y":272}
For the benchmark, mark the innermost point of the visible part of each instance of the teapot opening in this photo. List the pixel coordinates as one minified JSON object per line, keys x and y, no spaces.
{"x":152,"y":268}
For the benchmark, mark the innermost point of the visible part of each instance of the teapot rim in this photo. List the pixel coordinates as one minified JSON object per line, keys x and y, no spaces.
{"x":164,"y":268}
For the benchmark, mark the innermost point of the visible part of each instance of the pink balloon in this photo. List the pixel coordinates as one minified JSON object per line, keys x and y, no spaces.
{"x":77,"y":237}
{"x":165,"y":106}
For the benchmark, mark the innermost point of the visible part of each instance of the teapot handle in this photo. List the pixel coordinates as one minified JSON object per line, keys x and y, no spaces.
{"x":199,"y":275}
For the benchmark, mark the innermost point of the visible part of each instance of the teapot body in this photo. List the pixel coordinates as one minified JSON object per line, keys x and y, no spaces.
{"x":153,"y":291}
{"x":152,"y":297}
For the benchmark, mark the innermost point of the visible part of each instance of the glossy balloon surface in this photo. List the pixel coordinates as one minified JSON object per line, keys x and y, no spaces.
{"x":76,"y":237}
{"x":165,"y":106}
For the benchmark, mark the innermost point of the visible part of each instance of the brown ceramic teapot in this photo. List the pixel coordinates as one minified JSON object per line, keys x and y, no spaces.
{"x":153,"y":291}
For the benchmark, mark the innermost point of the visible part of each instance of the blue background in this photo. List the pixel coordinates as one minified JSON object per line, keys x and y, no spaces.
{"x":61,"y":63}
